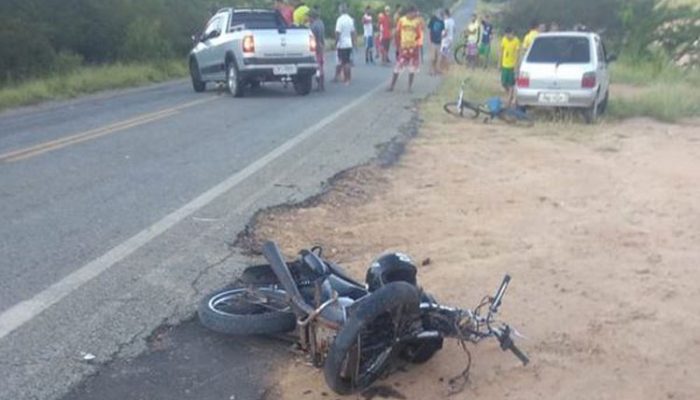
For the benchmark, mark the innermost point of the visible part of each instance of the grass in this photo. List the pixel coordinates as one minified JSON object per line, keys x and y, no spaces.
{"x":666,"y":92}
{"x":667,"y":98}
{"x":89,"y":80}
{"x":661,"y":101}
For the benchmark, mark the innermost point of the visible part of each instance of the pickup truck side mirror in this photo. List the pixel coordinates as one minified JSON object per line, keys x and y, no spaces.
{"x":214,"y":34}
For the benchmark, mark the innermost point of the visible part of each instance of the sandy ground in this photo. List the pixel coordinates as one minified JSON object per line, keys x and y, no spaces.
{"x":599,"y":227}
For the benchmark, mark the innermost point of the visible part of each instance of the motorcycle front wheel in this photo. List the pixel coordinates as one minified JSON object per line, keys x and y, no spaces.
{"x":244,"y":311}
{"x":367,"y":343}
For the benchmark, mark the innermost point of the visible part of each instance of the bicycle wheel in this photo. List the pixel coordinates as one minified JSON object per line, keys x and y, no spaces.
{"x":514,"y":116}
{"x":460,"y":54}
{"x":467,"y":110}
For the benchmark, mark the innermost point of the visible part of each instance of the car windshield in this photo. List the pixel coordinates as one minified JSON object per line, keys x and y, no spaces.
{"x":560,"y":50}
{"x":257,"y":20}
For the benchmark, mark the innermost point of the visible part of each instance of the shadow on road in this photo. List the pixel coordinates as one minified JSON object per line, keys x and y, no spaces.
{"x":189,"y":362}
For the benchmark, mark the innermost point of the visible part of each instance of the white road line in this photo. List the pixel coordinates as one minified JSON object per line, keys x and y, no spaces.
{"x":23,"y":312}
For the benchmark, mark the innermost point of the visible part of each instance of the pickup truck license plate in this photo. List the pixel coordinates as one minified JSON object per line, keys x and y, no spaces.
{"x":553,"y":98}
{"x":284,"y":69}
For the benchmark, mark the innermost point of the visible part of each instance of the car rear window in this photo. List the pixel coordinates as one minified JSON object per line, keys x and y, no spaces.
{"x":257,"y":20}
{"x":560,"y":50}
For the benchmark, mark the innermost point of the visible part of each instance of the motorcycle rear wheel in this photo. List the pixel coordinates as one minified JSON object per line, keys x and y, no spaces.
{"x":366,"y":344}
{"x":240,"y":311}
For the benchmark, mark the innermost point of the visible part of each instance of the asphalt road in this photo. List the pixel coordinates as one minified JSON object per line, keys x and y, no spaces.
{"x":118,"y":210}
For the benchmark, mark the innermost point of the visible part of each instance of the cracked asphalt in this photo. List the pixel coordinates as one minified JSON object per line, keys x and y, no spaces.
{"x":66,"y":207}
{"x":108,"y":242}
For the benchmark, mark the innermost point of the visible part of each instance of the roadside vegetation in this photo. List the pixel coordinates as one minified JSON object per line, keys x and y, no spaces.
{"x":90,"y":79}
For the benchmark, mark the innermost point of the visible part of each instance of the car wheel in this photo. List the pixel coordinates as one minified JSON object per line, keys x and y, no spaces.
{"x":233,"y":81}
{"x":197,"y":84}
{"x":590,"y":114}
{"x":303,"y":84}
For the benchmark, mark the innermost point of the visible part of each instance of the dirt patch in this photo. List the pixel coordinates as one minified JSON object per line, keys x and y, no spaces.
{"x":599,"y":228}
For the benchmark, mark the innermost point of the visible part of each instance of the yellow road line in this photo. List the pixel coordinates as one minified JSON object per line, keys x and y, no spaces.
{"x":51,"y":145}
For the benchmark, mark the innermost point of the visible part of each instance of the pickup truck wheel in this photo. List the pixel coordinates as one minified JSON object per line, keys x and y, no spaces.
{"x":233,"y":81}
{"x":197,"y":84}
{"x":303,"y":84}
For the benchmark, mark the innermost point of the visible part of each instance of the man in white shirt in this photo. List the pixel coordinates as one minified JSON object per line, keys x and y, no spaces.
{"x":345,"y":37}
{"x":448,"y":35}
{"x":368,"y":35}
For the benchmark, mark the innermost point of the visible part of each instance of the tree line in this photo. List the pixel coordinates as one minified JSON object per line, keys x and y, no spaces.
{"x":638,"y":29}
{"x":44,"y":37}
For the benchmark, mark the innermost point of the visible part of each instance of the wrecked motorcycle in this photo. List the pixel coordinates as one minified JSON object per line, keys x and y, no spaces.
{"x":353,"y":331}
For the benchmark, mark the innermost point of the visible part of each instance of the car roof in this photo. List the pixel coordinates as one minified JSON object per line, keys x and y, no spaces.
{"x":567,"y":34}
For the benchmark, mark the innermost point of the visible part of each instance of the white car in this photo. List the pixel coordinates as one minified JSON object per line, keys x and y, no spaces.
{"x":565,"y":69}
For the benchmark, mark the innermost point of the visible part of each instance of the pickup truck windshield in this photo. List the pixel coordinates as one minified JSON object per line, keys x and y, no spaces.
{"x":257,"y":20}
{"x":560,"y":50}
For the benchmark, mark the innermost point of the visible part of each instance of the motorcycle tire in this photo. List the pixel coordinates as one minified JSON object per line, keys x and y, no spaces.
{"x":423,"y":350}
{"x":369,"y":321}
{"x":227,"y":311}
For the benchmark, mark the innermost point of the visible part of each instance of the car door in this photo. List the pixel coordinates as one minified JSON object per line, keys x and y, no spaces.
{"x":209,"y":64}
{"x":217,"y":47}
{"x":602,"y":68}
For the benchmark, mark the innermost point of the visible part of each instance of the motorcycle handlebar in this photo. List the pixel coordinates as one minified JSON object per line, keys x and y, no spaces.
{"x":499,"y":294}
{"x":508,"y":344}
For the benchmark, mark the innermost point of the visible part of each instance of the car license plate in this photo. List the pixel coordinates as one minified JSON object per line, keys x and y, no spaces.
{"x":284,"y":69}
{"x":553,"y":98}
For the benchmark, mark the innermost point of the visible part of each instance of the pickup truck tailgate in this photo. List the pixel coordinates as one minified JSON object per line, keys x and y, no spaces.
{"x":268,"y":43}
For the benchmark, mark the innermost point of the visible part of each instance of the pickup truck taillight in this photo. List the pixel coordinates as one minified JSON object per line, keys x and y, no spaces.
{"x":248,"y":44}
{"x":312,"y":43}
{"x":588,"y":81}
{"x":523,"y":80}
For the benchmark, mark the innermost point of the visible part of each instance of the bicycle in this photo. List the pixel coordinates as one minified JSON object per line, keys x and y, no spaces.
{"x":492,"y":108}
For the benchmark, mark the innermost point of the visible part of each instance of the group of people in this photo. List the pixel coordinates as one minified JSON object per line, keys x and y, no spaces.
{"x":404,"y":28}
{"x":441,"y":28}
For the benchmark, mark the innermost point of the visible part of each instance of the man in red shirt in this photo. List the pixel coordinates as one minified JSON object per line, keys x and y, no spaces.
{"x":409,"y":36}
{"x":385,"y":34}
{"x":285,"y":10}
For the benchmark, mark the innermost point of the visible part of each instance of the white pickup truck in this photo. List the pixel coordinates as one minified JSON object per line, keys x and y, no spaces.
{"x":246,"y":47}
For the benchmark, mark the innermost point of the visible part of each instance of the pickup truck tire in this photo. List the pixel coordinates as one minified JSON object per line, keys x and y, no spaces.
{"x":303,"y":84}
{"x":197,"y":84}
{"x":233,"y":81}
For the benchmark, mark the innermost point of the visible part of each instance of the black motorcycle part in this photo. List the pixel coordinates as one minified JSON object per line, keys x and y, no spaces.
{"x":377,"y":321}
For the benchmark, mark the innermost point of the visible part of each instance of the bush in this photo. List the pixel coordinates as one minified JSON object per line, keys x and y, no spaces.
{"x":145,"y":41}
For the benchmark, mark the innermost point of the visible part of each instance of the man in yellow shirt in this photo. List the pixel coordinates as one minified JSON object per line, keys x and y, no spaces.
{"x":510,"y":49}
{"x":301,"y":14}
{"x":409,"y":36}
{"x":530,"y":36}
